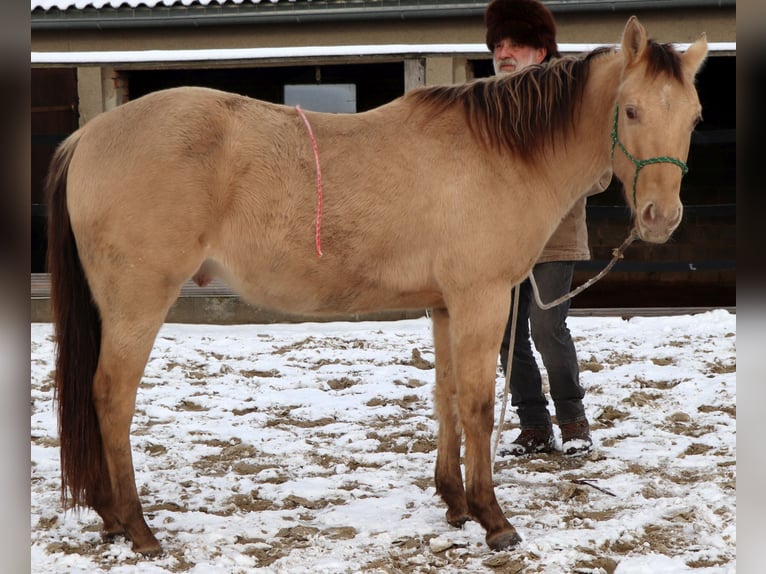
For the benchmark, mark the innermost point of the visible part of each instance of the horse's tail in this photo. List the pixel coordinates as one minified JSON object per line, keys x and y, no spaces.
{"x":78,"y":341}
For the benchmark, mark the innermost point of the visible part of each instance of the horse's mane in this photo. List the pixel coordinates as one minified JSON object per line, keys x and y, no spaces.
{"x":522,"y":112}
{"x":517,"y":112}
{"x":663,"y":58}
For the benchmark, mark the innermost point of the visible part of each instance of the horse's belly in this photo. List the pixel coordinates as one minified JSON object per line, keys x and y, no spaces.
{"x":318,"y":298}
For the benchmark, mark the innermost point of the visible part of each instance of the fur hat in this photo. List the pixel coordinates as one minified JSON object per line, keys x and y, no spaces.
{"x":527,"y":22}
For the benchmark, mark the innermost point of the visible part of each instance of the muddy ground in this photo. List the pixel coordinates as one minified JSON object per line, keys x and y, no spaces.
{"x":277,"y":449}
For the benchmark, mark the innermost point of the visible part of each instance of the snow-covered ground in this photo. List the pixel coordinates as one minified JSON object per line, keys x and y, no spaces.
{"x":311,"y":448}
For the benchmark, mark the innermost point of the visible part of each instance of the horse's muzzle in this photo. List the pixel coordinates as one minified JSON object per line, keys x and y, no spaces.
{"x":655,"y":224}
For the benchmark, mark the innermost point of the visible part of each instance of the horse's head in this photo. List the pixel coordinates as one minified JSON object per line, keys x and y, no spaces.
{"x":657,"y":109}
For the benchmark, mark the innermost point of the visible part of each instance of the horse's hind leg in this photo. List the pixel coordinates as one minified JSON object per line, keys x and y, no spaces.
{"x":101,"y":500}
{"x":129,"y":326}
{"x":114,"y":394}
{"x":475,"y":334}
{"x":448,"y":477}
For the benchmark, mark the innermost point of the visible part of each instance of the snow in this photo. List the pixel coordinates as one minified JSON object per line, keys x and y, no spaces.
{"x":311,"y":447}
{"x":98,"y":4}
{"x":291,"y":52}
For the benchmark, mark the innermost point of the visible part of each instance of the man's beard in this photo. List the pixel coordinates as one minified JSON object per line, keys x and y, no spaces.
{"x":497,"y":65}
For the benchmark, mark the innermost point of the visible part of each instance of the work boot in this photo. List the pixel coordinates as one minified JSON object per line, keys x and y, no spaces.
{"x":575,"y":438}
{"x":531,"y":441}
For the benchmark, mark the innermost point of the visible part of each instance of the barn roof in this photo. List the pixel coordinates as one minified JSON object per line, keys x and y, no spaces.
{"x":561,"y":5}
{"x":144,"y":13}
{"x":97,"y":4}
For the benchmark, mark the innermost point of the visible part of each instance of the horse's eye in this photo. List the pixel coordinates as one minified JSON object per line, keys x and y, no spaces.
{"x":697,"y":121}
{"x":631,"y":113}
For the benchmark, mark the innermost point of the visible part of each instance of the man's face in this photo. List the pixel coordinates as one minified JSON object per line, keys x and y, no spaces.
{"x":509,"y":56}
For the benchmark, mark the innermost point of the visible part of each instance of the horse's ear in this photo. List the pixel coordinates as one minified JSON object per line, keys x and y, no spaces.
{"x":633,"y":41}
{"x":694,"y":57}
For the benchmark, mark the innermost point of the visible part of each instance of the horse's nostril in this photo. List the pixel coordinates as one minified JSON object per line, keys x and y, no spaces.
{"x":647,"y":214}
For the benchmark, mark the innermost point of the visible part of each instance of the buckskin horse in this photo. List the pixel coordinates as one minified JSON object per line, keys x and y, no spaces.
{"x":441,"y":199}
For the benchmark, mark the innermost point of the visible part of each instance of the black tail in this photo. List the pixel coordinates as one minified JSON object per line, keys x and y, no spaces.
{"x":78,"y":341}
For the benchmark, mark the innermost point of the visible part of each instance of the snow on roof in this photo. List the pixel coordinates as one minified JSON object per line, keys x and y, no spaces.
{"x":98,"y":4}
{"x":137,"y":56}
{"x":144,"y":56}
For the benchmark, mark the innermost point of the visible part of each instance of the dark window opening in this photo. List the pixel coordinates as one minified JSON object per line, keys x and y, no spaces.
{"x":54,"y":116}
{"x":376,"y":84}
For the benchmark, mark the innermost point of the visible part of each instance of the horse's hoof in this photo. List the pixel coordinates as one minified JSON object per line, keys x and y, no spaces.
{"x":148,"y":550}
{"x":112,"y":535}
{"x":504,"y":540}
{"x":458,"y":519}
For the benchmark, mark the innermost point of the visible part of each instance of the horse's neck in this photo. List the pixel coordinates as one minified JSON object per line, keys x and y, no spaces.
{"x":585,"y":156}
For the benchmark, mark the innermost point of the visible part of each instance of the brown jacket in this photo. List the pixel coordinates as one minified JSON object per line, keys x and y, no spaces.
{"x":570,"y":240}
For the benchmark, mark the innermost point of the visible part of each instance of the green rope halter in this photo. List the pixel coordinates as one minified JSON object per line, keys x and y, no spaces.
{"x":641,"y":163}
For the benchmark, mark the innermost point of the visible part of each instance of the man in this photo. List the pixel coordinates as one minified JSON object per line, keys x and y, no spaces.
{"x":521,"y":33}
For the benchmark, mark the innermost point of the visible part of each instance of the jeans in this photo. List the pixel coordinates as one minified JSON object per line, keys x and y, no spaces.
{"x":552,"y":339}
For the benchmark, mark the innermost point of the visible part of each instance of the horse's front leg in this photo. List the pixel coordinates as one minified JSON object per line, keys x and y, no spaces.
{"x":477,"y":321}
{"x":448,"y":477}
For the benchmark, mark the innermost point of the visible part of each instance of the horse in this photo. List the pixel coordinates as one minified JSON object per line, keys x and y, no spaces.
{"x":441,"y":199}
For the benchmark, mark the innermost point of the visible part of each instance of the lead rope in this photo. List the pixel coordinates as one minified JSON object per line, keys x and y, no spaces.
{"x":318,"y":226}
{"x":509,"y":366}
{"x":616,"y":255}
